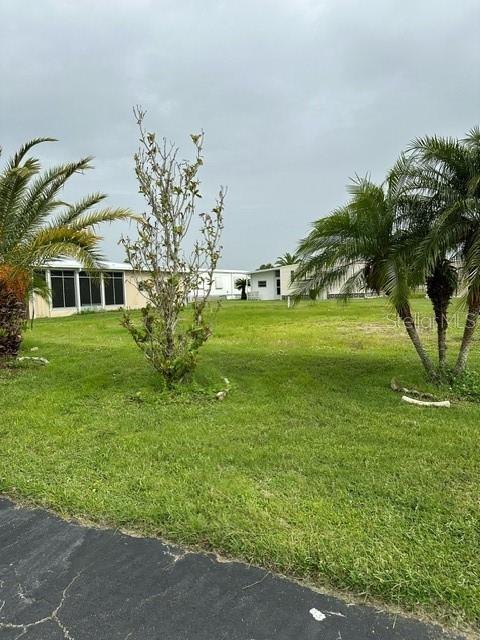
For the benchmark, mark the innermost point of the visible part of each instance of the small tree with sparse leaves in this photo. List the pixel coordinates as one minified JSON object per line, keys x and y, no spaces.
{"x":172,"y":279}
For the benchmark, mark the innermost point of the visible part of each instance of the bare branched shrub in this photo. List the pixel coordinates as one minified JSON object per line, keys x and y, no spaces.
{"x":176,"y":282}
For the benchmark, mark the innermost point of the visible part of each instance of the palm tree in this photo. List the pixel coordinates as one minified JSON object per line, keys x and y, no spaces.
{"x":37,"y":226}
{"x":363,"y":245}
{"x":286,"y":259}
{"x":417,"y":213}
{"x":241,"y":285}
{"x":447,"y":176}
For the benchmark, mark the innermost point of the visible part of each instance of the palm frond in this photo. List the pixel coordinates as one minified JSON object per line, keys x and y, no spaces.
{"x":13,"y":184}
{"x":72,"y":212}
{"x":94,"y":218}
{"x":286,"y":259}
{"x":39,"y":286}
{"x":24,"y":149}
{"x":472,"y":139}
{"x":39,"y":201}
{"x":50,"y":243}
{"x":358,"y":245}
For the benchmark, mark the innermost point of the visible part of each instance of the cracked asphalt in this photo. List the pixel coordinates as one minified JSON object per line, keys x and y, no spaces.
{"x":62,"y":581}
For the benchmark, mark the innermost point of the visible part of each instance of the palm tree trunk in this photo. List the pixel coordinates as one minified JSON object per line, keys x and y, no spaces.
{"x":442,"y":347}
{"x":467,"y":339}
{"x":442,"y":326}
{"x":441,"y":284}
{"x":407,"y":318}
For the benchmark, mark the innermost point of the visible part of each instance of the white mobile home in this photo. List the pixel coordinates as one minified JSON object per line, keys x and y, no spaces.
{"x":271,"y":284}
{"x":223,"y":286}
{"x":73,"y":289}
{"x":265,"y":284}
{"x":276,"y":284}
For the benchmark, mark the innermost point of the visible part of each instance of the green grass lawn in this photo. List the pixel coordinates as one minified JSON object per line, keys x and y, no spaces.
{"x":312,"y":466}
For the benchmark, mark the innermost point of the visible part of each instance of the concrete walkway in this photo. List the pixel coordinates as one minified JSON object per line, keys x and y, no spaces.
{"x":63,"y":581}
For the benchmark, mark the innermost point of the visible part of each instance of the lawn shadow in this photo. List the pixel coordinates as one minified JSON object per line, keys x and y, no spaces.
{"x":263,"y":372}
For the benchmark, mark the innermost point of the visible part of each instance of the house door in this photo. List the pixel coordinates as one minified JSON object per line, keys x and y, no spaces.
{"x":278,"y":289}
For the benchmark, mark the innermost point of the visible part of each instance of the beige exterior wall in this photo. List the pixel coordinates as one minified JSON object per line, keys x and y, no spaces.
{"x":337,"y":289}
{"x":134,"y":299}
{"x":39,"y":308}
{"x":286,"y":287}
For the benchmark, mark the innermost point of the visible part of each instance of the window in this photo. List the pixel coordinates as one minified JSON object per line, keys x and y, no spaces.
{"x":277,"y":273}
{"x":218,"y":283}
{"x":114,"y":293}
{"x":278,"y":287}
{"x":89,"y":290}
{"x":262,"y":283}
{"x":63,"y":289}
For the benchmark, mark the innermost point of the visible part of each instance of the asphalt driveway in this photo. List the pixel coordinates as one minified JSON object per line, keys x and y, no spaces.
{"x":63,"y":581}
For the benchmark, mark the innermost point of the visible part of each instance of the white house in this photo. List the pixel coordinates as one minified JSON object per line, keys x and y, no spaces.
{"x":271,"y":284}
{"x":223,"y":285}
{"x":74,"y":290}
{"x":276,"y":284}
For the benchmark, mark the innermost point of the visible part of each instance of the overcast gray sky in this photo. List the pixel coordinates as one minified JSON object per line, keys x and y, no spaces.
{"x":294,"y":96}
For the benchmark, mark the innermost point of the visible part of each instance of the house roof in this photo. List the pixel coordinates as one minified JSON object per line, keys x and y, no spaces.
{"x":74,"y":264}
{"x":114,"y":266}
{"x":274,"y":268}
{"x":239,"y":271}
{"x":264,"y":270}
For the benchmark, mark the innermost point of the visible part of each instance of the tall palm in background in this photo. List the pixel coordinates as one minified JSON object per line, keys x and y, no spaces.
{"x":364,"y":245}
{"x":286,"y":259}
{"x":37,"y":226}
{"x":446,"y":176}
